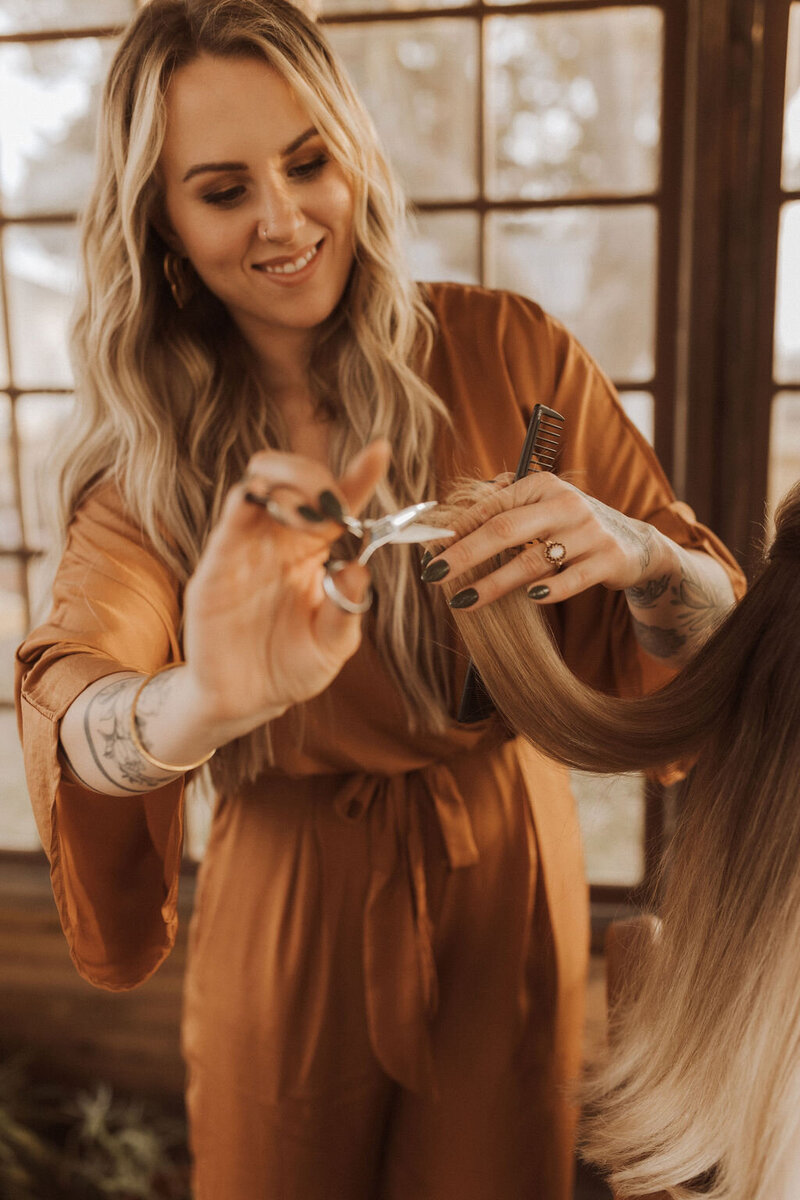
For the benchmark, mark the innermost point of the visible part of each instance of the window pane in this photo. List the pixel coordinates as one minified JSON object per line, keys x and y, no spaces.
{"x":791,"y":121}
{"x":41,"y":272}
{"x":418,"y":81}
{"x":17,"y":826}
{"x":784,"y":450}
{"x":787,"y":299}
{"x":641,"y":408}
{"x":10,"y":531}
{"x":611,"y":810}
{"x":574,"y":104}
{"x":38,"y":422}
{"x":31,"y":16}
{"x":48,"y":97}
{"x":13,"y":621}
{"x":594,"y":268}
{"x":445,"y":246}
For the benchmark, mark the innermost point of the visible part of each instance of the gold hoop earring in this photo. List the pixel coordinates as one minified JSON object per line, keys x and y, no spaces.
{"x":176,"y":273}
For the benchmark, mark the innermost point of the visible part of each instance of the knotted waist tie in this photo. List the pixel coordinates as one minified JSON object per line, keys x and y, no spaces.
{"x":399,"y":965}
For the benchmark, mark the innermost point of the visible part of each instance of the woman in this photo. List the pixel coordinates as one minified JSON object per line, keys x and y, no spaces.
{"x":389,"y":946}
{"x":701,"y":1091}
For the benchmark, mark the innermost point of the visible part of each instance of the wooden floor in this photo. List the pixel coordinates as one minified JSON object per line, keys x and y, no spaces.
{"x":78,"y":1034}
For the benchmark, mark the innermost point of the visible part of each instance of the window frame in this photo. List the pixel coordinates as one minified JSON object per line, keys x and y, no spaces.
{"x":724,"y":69}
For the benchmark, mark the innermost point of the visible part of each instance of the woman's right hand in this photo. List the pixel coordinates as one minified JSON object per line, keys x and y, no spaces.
{"x":260,"y":634}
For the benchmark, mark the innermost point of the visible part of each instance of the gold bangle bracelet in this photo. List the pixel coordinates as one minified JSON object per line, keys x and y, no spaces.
{"x":174,"y":768}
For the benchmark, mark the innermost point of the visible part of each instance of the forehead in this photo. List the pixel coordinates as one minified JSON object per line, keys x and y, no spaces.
{"x":215,"y":105}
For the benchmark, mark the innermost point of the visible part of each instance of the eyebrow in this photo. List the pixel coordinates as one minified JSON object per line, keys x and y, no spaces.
{"x":202,"y":168}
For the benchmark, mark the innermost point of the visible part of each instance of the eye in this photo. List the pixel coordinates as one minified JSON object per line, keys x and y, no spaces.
{"x":309,"y":169}
{"x":226,"y":198}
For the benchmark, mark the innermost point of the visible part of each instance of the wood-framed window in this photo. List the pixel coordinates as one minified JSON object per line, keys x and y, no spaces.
{"x":632,"y":166}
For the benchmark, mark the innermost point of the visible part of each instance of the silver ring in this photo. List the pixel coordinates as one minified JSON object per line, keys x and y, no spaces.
{"x":354,"y":607}
{"x":556,"y":554}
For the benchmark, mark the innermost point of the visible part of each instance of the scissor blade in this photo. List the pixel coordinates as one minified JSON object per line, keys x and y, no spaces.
{"x":422,"y":533}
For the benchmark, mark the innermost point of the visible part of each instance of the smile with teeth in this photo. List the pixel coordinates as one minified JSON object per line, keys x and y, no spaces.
{"x":289,"y":268}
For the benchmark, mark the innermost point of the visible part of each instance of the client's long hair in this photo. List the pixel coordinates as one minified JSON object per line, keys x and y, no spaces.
{"x":701,"y":1091}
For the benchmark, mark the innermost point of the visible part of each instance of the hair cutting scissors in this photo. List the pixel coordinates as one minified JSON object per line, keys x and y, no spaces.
{"x":401,"y":526}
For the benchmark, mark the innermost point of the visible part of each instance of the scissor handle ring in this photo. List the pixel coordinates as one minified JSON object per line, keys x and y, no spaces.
{"x":354,"y":607}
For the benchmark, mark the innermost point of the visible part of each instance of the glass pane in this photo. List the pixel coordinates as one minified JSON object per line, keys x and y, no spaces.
{"x":574,"y":104}
{"x":30,"y":16}
{"x":10,"y":530}
{"x":787,"y":299}
{"x":17,"y":826}
{"x":13,"y":621}
{"x":41,"y":272}
{"x":38,"y":421}
{"x":611,"y":810}
{"x":641,"y":408}
{"x":48,"y":98}
{"x":418,"y":81}
{"x":784,"y":448}
{"x":791,"y":120}
{"x":445,"y":246}
{"x":594,"y":268}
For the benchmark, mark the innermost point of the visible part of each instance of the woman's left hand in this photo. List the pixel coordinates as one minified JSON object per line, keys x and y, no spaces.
{"x":597,"y":544}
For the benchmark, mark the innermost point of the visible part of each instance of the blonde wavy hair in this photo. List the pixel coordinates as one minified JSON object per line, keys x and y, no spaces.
{"x":170,"y":408}
{"x":700,"y":1095}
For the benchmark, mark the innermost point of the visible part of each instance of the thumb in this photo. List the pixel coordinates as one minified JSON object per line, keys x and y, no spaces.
{"x":364,"y":473}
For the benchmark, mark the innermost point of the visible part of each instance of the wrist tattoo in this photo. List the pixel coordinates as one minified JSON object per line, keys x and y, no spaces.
{"x":645,"y":595}
{"x":106,"y":724}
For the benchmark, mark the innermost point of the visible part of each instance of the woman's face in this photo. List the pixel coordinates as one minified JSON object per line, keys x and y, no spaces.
{"x":240,"y":156}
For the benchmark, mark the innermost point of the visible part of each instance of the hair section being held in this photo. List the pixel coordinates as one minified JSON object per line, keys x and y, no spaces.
{"x":700,"y":1095}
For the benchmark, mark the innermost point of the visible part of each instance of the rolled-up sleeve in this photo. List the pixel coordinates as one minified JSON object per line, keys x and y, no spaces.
{"x":114,"y":861}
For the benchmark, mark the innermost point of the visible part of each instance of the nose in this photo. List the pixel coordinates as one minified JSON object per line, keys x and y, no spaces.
{"x":281,"y":215}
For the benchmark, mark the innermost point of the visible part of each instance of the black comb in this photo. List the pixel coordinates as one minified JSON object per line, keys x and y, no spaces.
{"x":539,"y":453}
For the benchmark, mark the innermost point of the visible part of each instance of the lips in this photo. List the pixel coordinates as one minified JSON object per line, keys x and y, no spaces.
{"x":289,"y":266}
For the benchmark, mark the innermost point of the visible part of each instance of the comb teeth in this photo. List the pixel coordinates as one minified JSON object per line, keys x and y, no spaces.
{"x":546,"y":438}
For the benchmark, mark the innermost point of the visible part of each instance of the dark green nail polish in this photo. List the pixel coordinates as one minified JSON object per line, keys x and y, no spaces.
{"x":309,"y":514}
{"x":539,"y":591}
{"x":426,"y":558}
{"x":330,"y":506}
{"x":435,"y":571}
{"x":464,"y":599}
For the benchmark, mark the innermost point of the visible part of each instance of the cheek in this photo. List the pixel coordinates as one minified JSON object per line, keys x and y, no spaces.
{"x":339,"y":202}
{"x":207,"y":241}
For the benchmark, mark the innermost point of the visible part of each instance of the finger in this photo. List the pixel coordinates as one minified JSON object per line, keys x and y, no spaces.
{"x":364,"y":473}
{"x":528,"y":568}
{"x":506,"y":531}
{"x":301,"y":492}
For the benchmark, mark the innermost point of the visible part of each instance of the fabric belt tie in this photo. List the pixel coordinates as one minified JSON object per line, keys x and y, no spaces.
{"x":399,"y":965}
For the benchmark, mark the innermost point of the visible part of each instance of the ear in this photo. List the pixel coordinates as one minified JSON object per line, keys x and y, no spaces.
{"x":163,"y":227}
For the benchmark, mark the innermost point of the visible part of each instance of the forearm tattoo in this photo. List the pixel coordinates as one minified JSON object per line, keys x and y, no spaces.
{"x":661,"y":643}
{"x":698,"y":605}
{"x":106,"y":724}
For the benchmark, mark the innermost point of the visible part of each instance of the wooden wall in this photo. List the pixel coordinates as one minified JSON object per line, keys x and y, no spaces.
{"x":75,"y":1032}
